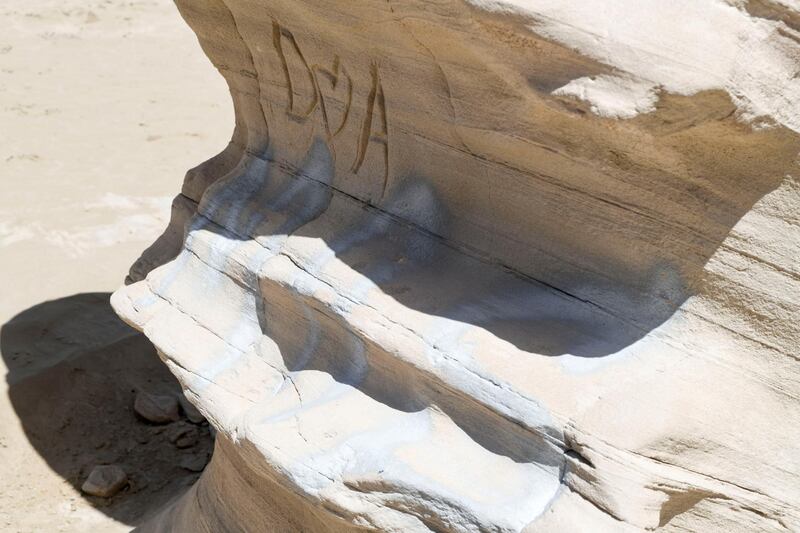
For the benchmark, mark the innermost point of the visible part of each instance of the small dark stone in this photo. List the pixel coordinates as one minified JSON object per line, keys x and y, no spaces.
{"x":194,"y":463}
{"x":105,"y":481}
{"x":192,"y":414}
{"x":183,"y":435}
{"x":156,"y":408}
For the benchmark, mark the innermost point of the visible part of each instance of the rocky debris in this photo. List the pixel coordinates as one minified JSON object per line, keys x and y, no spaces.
{"x":186,"y":440}
{"x":105,"y":481}
{"x":194,"y":463}
{"x":192,"y":413}
{"x":183,"y":435}
{"x":157,"y":408}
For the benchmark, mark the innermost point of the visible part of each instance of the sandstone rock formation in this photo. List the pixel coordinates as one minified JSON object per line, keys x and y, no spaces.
{"x":471,"y":265}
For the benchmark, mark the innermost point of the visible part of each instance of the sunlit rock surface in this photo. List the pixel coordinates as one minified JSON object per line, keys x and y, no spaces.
{"x":510,"y":266}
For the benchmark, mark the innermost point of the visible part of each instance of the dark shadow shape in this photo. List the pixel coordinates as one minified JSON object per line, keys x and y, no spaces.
{"x":408,"y":259}
{"x":73,"y":370}
{"x":327,"y":345}
{"x":400,"y":249}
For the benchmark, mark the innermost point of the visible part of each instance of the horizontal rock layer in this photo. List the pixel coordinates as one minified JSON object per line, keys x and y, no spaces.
{"x":499,"y":266}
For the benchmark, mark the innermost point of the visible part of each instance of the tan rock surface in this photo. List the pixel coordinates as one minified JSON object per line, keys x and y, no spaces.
{"x":490,"y":266}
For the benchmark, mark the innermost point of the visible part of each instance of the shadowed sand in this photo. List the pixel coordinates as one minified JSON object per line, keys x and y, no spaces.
{"x":73,"y":371}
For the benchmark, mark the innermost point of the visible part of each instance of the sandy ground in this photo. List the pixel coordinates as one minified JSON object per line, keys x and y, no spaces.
{"x":103,"y":106}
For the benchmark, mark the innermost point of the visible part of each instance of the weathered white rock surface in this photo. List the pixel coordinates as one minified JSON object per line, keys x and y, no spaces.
{"x":519,"y":265}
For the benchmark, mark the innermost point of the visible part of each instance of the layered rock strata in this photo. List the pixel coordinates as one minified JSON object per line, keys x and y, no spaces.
{"x":490,"y":266}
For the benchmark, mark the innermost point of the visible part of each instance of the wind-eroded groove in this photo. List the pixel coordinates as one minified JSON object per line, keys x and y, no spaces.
{"x":460,"y":247}
{"x":666,"y":340}
{"x":503,"y":413}
{"x":288,"y":377}
{"x":453,"y":244}
{"x":542,"y":435}
{"x":485,"y":258}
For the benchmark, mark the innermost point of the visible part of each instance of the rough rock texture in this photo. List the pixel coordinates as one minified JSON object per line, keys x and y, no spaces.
{"x":511,"y":265}
{"x":105,"y":481}
{"x":156,"y":408}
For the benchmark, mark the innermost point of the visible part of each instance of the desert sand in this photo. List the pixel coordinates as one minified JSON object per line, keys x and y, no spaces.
{"x":96,"y":132}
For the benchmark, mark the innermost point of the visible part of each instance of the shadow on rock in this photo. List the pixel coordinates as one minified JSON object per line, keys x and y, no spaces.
{"x":74,"y":370}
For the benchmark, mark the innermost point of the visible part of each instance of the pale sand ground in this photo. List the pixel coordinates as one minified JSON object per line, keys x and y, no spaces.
{"x":103,"y":106}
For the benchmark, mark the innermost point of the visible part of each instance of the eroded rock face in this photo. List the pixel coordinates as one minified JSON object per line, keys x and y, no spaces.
{"x":490,"y":266}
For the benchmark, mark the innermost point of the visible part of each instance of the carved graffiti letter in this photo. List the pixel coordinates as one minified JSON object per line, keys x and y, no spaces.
{"x":375,"y":100}
{"x":278,"y":34}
